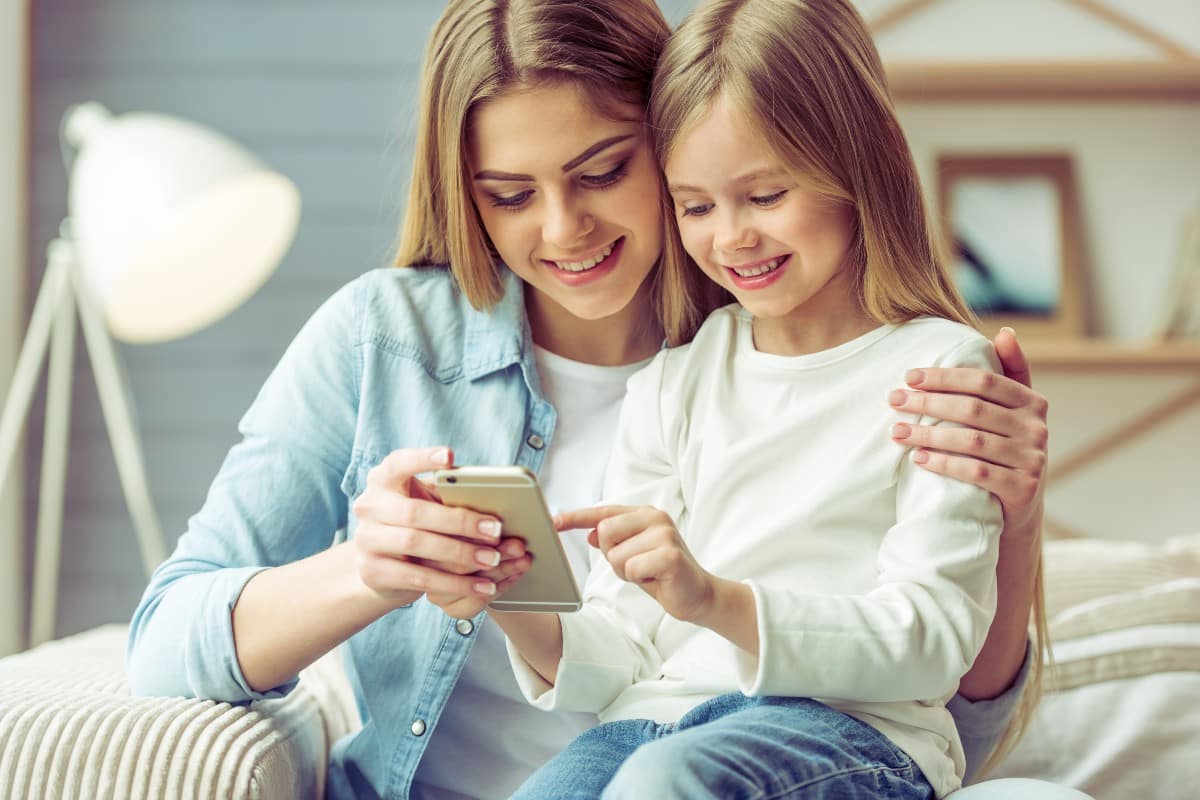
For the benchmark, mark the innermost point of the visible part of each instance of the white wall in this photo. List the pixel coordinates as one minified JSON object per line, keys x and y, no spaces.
{"x":1137,"y":166}
{"x":13,"y":110}
{"x":1137,"y":172}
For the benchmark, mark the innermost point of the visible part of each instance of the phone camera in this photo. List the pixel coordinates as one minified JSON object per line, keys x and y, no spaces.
{"x":451,"y":479}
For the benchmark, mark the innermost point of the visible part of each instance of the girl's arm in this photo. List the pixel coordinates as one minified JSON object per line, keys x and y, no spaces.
{"x":537,"y":638}
{"x":1004,"y":451}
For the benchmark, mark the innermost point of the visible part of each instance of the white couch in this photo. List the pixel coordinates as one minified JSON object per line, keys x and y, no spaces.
{"x":70,"y":729}
{"x":1120,"y":719}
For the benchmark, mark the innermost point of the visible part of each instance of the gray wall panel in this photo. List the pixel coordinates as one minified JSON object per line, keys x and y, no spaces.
{"x":321,"y":91}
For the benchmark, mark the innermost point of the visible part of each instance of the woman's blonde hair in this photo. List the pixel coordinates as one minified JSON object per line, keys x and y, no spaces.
{"x":481,"y":49}
{"x":808,"y":73}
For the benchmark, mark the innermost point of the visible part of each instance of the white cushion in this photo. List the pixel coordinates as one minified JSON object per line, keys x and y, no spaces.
{"x":70,"y":728}
{"x":1120,"y":717}
{"x":1017,"y":789}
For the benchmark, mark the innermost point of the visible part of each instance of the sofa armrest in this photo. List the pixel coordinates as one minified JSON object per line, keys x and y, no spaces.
{"x":69,"y":727}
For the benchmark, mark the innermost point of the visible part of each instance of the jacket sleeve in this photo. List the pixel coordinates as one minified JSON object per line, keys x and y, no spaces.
{"x":608,"y":645}
{"x":277,"y":498}
{"x":914,"y":634}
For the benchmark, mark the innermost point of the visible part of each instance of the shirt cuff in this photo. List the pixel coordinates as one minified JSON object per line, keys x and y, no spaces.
{"x":221,"y":676}
{"x":584,"y":682}
{"x":990,"y":718}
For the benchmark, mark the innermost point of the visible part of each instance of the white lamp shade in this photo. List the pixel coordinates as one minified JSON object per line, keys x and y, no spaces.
{"x":174,"y":224}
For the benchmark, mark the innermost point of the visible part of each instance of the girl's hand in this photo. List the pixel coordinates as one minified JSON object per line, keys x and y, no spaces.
{"x":514,"y":563}
{"x":644,"y":547}
{"x":1003,"y":447}
{"x":408,"y":543}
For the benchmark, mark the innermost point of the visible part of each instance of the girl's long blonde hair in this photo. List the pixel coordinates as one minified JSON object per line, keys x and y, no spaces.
{"x":808,"y":73}
{"x":481,"y":49}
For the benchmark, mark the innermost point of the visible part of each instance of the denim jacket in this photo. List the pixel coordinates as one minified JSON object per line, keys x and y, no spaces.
{"x":397,"y":358}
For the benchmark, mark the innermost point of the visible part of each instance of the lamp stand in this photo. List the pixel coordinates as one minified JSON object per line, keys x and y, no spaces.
{"x":52,"y":325}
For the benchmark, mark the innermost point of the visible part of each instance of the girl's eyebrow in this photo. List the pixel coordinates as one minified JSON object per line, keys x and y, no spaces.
{"x":749,"y":177}
{"x":591,"y":152}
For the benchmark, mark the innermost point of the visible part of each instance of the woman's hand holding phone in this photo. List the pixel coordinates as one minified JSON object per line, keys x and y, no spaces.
{"x":409,"y":544}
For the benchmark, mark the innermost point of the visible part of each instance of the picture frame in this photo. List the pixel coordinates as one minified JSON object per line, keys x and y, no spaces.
{"x":1013,"y":233}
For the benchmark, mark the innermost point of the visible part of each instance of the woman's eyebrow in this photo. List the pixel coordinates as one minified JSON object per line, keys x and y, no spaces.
{"x":591,"y":152}
{"x":595,"y":149}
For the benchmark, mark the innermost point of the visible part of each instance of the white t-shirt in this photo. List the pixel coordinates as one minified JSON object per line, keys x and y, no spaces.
{"x":489,"y":739}
{"x":874,"y":580}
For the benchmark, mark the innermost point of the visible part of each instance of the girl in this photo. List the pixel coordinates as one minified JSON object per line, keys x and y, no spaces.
{"x":534,"y":282}
{"x":770,"y":548}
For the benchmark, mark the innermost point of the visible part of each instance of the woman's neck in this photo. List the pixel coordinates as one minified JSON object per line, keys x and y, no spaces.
{"x":631,"y":335}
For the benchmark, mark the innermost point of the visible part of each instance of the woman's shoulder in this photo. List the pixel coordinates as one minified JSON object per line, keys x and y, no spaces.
{"x":380,"y":294}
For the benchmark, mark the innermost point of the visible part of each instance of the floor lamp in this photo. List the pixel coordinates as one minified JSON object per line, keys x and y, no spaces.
{"x":171,"y":226}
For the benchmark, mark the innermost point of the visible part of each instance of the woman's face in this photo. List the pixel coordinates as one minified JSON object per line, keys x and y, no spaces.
{"x":569,"y":197}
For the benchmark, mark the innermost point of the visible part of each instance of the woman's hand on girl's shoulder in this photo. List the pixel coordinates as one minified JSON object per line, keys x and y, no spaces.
{"x":1003,"y":446}
{"x":409,"y":544}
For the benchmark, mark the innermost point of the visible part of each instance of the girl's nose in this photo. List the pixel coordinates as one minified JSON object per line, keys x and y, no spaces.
{"x":732,"y":234}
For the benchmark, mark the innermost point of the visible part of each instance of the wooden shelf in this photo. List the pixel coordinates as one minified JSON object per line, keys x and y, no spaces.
{"x":1108,"y":354}
{"x":1050,"y":80}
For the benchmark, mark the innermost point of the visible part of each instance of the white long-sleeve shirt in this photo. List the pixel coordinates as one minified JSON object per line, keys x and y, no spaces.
{"x":874,"y":580}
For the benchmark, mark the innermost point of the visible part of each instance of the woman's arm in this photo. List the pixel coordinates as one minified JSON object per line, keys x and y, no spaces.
{"x":406,"y":543}
{"x":252,"y":592}
{"x":1003,"y":450}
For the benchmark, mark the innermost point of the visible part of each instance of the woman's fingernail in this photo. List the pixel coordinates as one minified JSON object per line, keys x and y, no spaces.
{"x":489,"y":558}
{"x":897,"y":397}
{"x":490,"y":527}
{"x":441,"y":456}
{"x":513,"y":549}
{"x":486,"y":587}
{"x":901,"y":430}
{"x":920,"y":457}
{"x":914,"y":377}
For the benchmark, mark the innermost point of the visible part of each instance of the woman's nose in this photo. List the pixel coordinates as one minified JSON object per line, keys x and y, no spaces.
{"x":567,"y":223}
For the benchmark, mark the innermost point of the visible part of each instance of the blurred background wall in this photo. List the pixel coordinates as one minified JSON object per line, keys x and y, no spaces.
{"x":14,"y":58}
{"x":324,"y":92}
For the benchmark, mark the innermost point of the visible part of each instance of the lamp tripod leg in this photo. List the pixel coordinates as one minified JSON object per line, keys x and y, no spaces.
{"x":55,"y":283}
{"x":51,"y":495}
{"x":118,"y":417}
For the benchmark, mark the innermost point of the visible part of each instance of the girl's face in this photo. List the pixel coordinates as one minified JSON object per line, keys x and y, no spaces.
{"x":778,"y":246}
{"x":569,"y":197}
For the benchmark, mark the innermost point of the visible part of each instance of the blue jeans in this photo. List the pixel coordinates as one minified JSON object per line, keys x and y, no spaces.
{"x":733,"y":746}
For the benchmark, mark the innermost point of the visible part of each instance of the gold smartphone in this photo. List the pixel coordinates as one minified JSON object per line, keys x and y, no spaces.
{"x":513,"y":496}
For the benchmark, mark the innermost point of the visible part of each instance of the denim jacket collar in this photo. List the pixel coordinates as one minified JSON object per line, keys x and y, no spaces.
{"x":497,"y":337}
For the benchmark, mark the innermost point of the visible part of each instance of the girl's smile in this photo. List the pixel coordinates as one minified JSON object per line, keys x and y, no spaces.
{"x":758,"y":274}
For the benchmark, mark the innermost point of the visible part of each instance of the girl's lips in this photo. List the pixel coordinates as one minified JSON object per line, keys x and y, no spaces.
{"x":758,"y":281}
{"x":590,"y":275}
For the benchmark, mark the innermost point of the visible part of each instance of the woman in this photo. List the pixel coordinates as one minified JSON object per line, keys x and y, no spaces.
{"x":531,"y":290}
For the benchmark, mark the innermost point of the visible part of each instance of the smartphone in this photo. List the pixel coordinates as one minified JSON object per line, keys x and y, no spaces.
{"x":512,"y":495}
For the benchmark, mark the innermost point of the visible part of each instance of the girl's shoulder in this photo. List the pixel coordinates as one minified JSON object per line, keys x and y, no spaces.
{"x":945,"y":343}
{"x":716,"y":340}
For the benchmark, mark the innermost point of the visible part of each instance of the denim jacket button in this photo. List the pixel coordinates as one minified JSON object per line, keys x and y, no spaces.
{"x":464,"y":627}
{"x":535,"y":441}
{"x":418,"y":727}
